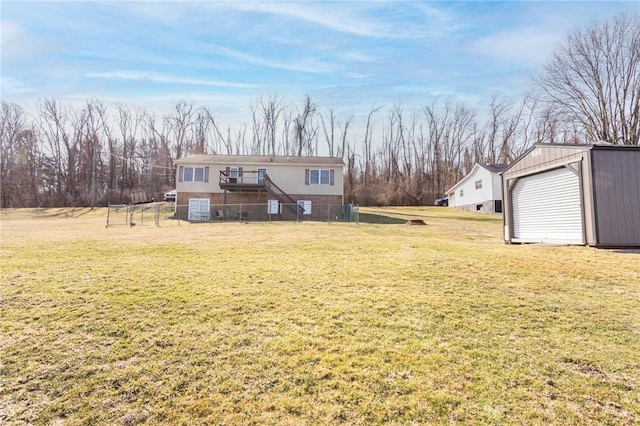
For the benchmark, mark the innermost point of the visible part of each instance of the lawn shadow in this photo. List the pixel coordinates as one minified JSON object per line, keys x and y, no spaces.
{"x":476,"y":218}
{"x":64,"y":212}
{"x":378,"y":218}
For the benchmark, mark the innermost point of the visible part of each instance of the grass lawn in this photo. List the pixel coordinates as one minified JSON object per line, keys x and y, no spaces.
{"x":311,"y":323}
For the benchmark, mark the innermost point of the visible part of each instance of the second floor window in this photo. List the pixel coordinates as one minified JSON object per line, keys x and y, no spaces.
{"x":478,"y":184}
{"x":194,"y":174}
{"x":319,"y":177}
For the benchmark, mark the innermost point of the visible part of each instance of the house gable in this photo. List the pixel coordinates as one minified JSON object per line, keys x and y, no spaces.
{"x":482,"y":186}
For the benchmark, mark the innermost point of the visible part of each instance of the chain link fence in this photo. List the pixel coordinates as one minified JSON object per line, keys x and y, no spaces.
{"x":278,"y":212}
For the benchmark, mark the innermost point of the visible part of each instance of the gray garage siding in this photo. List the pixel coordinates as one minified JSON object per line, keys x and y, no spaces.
{"x":616,"y":188}
{"x":609,"y":188}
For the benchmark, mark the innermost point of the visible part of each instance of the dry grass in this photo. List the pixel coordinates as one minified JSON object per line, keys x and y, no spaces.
{"x":311,"y":323}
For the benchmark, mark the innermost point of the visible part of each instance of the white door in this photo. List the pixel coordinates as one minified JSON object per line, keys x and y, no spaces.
{"x":305,"y":205}
{"x":547,"y":208}
{"x":273,"y":207}
{"x":198,"y":209}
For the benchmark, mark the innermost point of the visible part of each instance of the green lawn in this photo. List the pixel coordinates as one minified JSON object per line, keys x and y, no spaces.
{"x":311,"y":323}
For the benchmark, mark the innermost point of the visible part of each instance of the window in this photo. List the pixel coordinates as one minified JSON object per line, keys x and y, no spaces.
{"x":478,"y":184}
{"x":194,"y":174}
{"x":198,"y":174}
{"x":234,"y":172}
{"x":261,"y":173}
{"x":462,"y":192}
{"x":305,"y":206}
{"x":319,"y":177}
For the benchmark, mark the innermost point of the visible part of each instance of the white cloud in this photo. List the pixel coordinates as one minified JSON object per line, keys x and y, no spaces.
{"x":308,"y":66}
{"x":367,"y":19}
{"x":159,"y":78}
{"x":529,"y":46}
{"x":10,"y":87}
{"x":10,"y":31}
{"x":333,"y":18}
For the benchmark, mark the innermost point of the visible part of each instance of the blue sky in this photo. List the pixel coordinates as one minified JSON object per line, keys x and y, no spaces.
{"x":349,"y":55}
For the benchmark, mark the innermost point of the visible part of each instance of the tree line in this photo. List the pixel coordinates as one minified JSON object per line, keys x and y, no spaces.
{"x":96,"y":154}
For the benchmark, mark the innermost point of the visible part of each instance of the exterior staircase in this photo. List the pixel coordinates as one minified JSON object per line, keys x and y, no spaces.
{"x":284,"y":198}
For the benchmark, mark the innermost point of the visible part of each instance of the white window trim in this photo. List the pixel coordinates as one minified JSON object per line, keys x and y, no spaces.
{"x":193,"y":170}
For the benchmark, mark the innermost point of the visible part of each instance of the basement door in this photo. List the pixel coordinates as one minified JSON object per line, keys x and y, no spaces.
{"x":547,"y":208}
{"x":198,"y":209}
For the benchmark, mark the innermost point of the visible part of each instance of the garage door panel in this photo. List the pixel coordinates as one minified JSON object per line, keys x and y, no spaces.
{"x":546,"y":208}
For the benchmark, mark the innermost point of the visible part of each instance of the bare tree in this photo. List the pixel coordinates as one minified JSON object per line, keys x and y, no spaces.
{"x":306,"y":129}
{"x":593,"y":79}
{"x":344,"y":130}
{"x":367,"y":145}
{"x":265,"y":114}
{"x":91,"y":148}
{"x":12,"y":123}
{"x":288,"y":118}
{"x":329,"y":129}
{"x":182,"y":123}
{"x":58,"y":124}
{"x":159,"y":139}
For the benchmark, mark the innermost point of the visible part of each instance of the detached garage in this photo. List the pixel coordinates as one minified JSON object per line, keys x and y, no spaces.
{"x":573,"y":194}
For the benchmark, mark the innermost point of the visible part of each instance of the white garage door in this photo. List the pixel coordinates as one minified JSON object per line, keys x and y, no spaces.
{"x":546,"y":208}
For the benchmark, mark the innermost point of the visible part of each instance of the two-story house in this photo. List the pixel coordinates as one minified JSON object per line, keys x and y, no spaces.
{"x":278,"y":184}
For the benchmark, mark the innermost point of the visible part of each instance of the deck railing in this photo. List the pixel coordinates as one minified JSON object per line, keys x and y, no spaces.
{"x":246,"y":177}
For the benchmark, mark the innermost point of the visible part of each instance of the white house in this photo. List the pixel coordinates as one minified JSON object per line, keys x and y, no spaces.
{"x":480,"y":190}
{"x":257,"y":185}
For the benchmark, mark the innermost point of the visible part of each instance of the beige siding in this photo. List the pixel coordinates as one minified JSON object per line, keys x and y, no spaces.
{"x":291,"y":178}
{"x":616,"y":187}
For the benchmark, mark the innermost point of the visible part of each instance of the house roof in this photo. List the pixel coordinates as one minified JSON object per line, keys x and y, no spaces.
{"x":259,"y":159}
{"x":494,"y":167}
{"x":491,"y":167}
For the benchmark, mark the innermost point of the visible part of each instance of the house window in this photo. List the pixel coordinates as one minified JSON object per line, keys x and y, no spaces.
{"x":478,"y":184}
{"x":261,"y":173}
{"x":462,"y":192}
{"x":195,"y":174}
{"x":305,"y":206}
{"x":319,"y":177}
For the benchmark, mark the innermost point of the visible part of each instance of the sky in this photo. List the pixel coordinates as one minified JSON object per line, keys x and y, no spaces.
{"x":347,"y":55}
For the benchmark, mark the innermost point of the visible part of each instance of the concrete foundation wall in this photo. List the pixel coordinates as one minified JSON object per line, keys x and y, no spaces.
{"x":484,"y":207}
